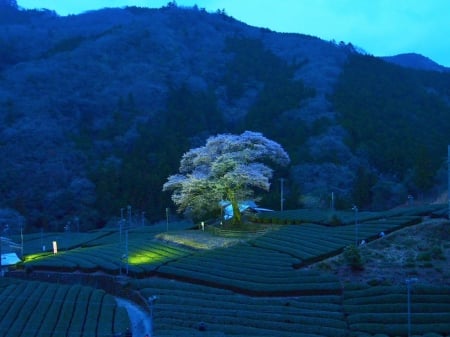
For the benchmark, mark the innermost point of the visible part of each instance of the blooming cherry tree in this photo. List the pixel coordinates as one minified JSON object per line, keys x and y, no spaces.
{"x":228,"y":167}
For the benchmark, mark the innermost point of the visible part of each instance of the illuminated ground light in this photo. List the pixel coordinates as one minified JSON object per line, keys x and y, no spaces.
{"x":142,"y":257}
{"x":37,"y":256}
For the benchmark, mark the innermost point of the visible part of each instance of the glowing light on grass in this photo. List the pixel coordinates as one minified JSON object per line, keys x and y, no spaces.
{"x":146,"y":257}
{"x":33,"y":257}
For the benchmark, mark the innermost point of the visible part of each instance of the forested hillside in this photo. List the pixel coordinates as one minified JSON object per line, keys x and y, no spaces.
{"x":397,"y":118}
{"x":96,"y":110}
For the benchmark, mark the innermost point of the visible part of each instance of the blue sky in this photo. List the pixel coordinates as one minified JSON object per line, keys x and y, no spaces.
{"x":380,"y":27}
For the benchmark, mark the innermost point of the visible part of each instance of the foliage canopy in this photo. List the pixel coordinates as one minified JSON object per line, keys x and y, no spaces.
{"x":228,"y":167}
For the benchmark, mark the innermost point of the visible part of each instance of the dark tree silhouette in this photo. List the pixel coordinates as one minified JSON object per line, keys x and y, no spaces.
{"x":8,"y":3}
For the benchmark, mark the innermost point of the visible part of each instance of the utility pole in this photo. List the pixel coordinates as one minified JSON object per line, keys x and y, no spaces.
{"x":408,"y":282}
{"x":126,"y":248}
{"x":1,"y":267}
{"x":355,"y":209}
{"x":167,"y":219}
{"x":21,"y":241}
{"x":151,"y":301}
{"x":281,"y":193}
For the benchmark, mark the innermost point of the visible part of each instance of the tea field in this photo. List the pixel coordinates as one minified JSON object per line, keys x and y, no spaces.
{"x":256,"y":285}
{"x":47,"y":309}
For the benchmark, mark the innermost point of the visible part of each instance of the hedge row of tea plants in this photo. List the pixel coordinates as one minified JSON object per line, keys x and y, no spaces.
{"x":183,"y":308}
{"x":44,"y":309}
{"x":35,"y":242}
{"x":250,"y":270}
{"x":343,"y":217}
{"x":144,"y":256}
{"x":383,"y":310}
{"x":312,"y":242}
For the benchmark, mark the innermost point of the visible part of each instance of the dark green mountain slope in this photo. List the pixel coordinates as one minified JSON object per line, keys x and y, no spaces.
{"x":399,"y":118}
{"x":96,"y":110}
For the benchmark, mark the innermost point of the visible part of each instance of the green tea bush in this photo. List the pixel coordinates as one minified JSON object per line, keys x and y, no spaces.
{"x":353,"y":257}
{"x":432,"y":334}
{"x":424,"y":256}
{"x":181,"y":306}
{"x":334,"y":220}
{"x":47,"y":309}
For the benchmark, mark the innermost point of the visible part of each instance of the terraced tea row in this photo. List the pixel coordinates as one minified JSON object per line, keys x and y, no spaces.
{"x":383,"y":310}
{"x":184,"y":309}
{"x":43,"y":309}
{"x":344,"y":217}
{"x":250,"y":270}
{"x":311,"y":242}
{"x":265,"y":265}
{"x":143,"y":257}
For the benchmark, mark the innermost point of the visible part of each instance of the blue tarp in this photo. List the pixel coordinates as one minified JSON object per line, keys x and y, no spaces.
{"x":228,"y":209}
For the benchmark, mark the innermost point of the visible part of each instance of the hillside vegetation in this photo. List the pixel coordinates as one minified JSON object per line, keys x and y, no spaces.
{"x":96,"y":109}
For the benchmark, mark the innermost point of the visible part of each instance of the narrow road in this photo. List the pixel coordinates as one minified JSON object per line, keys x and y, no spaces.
{"x":140,"y":320}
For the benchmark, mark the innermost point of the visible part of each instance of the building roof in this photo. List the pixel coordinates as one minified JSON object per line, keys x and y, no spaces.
{"x":9,"y":259}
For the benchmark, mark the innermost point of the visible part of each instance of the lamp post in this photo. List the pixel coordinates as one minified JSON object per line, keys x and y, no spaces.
{"x":21,"y":241}
{"x":1,"y":268}
{"x":355,"y":209}
{"x":120,"y":226}
{"x":129,"y":215}
{"x":281,"y":193}
{"x":126,"y":247}
{"x":120,"y":232}
{"x":410,"y":200}
{"x":125,"y":255}
{"x":167,"y":219}
{"x":408,"y":282}
{"x":151,"y":301}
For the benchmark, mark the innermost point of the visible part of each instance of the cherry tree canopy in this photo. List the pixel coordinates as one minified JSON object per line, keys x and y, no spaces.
{"x":228,"y":167}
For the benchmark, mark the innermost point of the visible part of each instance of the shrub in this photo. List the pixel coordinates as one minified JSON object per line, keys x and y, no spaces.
{"x":437,"y":253}
{"x":334,"y":220}
{"x":324,"y":266}
{"x":410,"y":262}
{"x":353,"y":257}
{"x":425,"y":256}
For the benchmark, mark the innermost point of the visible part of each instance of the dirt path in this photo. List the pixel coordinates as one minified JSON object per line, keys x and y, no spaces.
{"x":140,"y":320}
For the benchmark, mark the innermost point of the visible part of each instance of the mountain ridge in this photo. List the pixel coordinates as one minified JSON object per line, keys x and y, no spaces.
{"x":415,"y":61}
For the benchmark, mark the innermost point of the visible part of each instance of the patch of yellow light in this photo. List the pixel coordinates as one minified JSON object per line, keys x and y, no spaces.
{"x":37,"y":256}
{"x":145,"y":257}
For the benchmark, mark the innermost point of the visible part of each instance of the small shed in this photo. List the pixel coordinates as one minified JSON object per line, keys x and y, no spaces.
{"x":8,"y":260}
